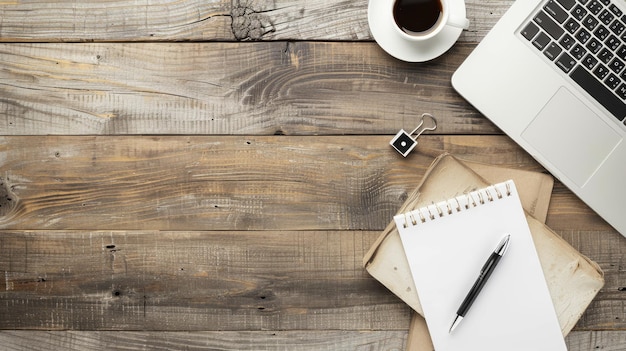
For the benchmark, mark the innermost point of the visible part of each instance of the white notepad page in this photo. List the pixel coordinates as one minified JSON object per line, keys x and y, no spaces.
{"x":446,"y":246}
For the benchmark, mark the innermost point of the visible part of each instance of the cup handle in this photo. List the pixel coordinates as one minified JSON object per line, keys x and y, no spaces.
{"x":458,"y":22}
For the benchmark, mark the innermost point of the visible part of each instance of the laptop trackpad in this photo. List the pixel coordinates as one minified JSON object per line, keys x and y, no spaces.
{"x":571,"y":136}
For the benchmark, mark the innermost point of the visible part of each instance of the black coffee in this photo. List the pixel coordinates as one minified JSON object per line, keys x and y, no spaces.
{"x":416,"y":16}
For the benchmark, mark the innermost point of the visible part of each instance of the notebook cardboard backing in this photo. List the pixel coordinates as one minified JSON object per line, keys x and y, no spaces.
{"x":573,"y":279}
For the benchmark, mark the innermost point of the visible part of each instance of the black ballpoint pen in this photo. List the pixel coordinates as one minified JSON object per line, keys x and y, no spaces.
{"x":484,"y":275}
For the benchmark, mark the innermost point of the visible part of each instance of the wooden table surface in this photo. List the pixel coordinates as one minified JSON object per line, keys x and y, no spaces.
{"x":209,"y":174}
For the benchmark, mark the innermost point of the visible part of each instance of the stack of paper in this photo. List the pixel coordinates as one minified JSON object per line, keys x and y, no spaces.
{"x":572,"y":279}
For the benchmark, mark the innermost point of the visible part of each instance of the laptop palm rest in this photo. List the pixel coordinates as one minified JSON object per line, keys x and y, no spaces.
{"x":590,"y":140}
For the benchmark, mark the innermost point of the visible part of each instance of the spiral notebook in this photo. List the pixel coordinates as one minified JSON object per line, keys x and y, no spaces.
{"x":446,"y":245}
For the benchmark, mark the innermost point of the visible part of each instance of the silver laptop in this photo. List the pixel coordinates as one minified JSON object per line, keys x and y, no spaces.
{"x":552,"y":75}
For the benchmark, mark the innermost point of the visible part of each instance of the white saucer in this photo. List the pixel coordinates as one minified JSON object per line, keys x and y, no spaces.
{"x":381,"y":24}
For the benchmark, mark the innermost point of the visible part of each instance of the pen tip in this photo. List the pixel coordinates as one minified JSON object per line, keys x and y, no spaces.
{"x":455,"y":323}
{"x":503,"y":245}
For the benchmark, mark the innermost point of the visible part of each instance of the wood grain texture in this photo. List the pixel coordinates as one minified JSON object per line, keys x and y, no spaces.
{"x":270,"y":88}
{"x":216,"y":281}
{"x":291,"y":280}
{"x":264,"y":340}
{"x":209,"y":174}
{"x":596,"y":340}
{"x":197,"y":20}
{"x":284,"y":274}
{"x":232,"y":183}
{"x":202,"y":341}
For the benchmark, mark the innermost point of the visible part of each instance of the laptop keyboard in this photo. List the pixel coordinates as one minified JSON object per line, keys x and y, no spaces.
{"x":586,"y":39}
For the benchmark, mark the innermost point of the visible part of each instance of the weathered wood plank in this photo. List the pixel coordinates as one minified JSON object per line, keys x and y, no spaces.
{"x":66,"y":280}
{"x":202,"y":183}
{"x":265,"y":340}
{"x":226,"y":88}
{"x":202,"y":281}
{"x":252,"y":280}
{"x":192,"y":281}
{"x":607,"y":310}
{"x":597,"y":340}
{"x":233,"y":183}
{"x":117,"y":20}
{"x":202,"y":341}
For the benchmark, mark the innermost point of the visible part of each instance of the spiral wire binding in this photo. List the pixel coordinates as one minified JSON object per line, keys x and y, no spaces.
{"x":485,"y":195}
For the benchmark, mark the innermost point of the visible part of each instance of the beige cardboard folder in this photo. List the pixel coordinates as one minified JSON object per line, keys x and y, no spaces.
{"x":573,"y":279}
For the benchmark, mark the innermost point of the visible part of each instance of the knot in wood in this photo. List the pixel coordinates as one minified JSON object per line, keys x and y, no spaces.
{"x":248,"y":24}
{"x":8,"y":199}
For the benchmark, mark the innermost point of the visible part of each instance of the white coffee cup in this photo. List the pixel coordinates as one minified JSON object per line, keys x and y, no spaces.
{"x":419,"y":20}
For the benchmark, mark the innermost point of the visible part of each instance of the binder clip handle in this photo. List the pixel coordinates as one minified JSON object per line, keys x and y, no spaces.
{"x":404,"y":142}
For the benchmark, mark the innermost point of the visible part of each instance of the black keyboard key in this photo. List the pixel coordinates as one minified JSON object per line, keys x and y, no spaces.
{"x":552,"y":51}
{"x":621,"y":91}
{"x":595,"y":7}
{"x":567,"y":4}
{"x":621,"y":53}
{"x":565,"y":63}
{"x":571,"y":26}
{"x":606,"y":17}
{"x":594,"y":45}
{"x":590,"y":62}
{"x":554,"y":10}
{"x":579,"y":12}
{"x":605,"y":56}
{"x":590,"y":22}
{"x":616,"y":10}
{"x":602,"y":32}
{"x":599,"y":92}
{"x":612,"y":81}
{"x":530,"y":31}
{"x":601,"y":72}
{"x":617,"y":27}
{"x":583,"y":36}
{"x":541,"y":41}
{"x":578,"y":51}
{"x":544,"y":21}
{"x":613,"y":42}
{"x":616,"y":65}
{"x":567,"y":42}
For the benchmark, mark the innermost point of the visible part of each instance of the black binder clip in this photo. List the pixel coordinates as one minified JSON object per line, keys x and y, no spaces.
{"x":404,"y":143}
